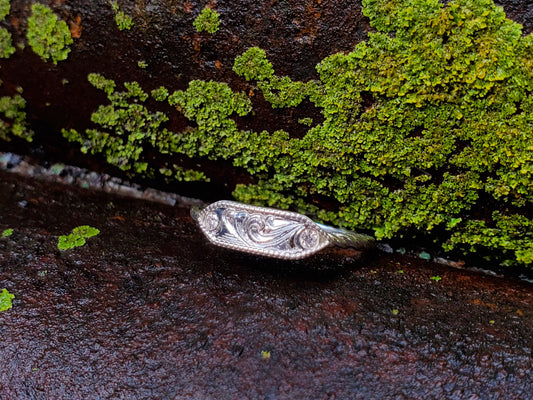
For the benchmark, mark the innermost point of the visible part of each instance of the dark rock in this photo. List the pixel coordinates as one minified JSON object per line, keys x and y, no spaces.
{"x":149,"y":310}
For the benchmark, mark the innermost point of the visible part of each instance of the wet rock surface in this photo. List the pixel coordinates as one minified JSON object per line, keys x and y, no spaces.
{"x":149,"y":310}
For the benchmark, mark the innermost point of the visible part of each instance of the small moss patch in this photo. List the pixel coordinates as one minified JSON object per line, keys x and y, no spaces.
{"x":5,"y":7}
{"x":160,"y":94}
{"x":123,"y":21}
{"x":77,"y":237}
{"x":253,"y":65}
{"x":48,"y":36}
{"x":127,"y":127}
{"x":13,"y":118}
{"x":5,"y":300}
{"x":7,"y":232}
{"x":6,"y":46}
{"x":207,"y":21}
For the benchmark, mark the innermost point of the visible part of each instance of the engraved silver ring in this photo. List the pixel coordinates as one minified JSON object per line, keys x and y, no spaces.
{"x":271,"y":232}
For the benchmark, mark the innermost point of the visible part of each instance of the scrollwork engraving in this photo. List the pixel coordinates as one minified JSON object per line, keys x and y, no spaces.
{"x":263,"y":231}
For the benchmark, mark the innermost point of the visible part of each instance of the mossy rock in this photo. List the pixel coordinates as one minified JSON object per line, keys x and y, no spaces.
{"x":425,"y":128}
{"x":48,"y":36}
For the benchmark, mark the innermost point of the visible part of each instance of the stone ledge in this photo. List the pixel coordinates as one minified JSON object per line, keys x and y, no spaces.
{"x":148,"y":310}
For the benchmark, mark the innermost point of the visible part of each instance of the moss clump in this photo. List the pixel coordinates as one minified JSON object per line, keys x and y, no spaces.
{"x":253,"y":65}
{"x":6,"y":46}
{"x":160,"y":94}
{"x":123,"y":21}
{"x":278,"y":91}
{"x":48,"y":36}
{"x":207,"y":21}
{"x":77,"y":237}
{"x":210,"y":105}
{"x":5,"y":7}
{"x":6,"y":232}
{"x":13,"y":118}
{"x":448,"y":124}
{"x":127,"y":128}
{"x":306,"y":121}
{"x":510,"y":233}
{"x":5,"y":300}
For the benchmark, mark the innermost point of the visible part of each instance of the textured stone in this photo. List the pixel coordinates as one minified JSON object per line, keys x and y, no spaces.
{"x":149,"y":310}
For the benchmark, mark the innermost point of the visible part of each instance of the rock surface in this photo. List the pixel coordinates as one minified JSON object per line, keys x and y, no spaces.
{"x":149,"y":310}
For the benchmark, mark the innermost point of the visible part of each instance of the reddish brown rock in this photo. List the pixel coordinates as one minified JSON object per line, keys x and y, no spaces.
{"x":149,"y":310}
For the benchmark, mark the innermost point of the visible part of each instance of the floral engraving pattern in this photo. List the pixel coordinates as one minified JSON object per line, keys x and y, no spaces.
{"x":261,"y":231}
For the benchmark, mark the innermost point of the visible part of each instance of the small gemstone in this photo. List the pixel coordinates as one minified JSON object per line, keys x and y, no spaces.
{"x":211,"y":221}
{"x":309,"y":238}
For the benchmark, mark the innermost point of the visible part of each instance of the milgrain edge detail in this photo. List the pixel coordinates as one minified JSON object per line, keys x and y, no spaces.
{"x":270,"y":232}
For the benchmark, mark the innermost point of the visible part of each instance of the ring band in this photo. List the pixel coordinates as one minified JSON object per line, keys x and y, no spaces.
{"x":271,"y":232}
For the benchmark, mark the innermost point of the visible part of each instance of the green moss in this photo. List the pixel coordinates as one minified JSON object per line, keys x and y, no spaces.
{"x":127,"y":128}
{"x":212,"y":105}
{"x":7,"y":232}
{"x":77,"y":237}
{"x":85,"y":231}
{"x":123,"y":21}
{"x":160,"y":94}
{"x":306,"y":121}
{"x":5,"y":6}
{"x":283,"y":92}
{"x":13,"y":118}
{"x":253,"y":65}
{"x":278,"y":91}
{"x":449,"y":119}
{"x":67,"y":242}
{"x":99,"y":82}
{"x":422,"y":123}
{"x":511,"y":234}
{"x":180,"y":174}
{"x":48,"y":36}
{"x":210,"y":102}
{"x":207,"y":21}
{"x":6,"y":46}
{"x":5,"y":300}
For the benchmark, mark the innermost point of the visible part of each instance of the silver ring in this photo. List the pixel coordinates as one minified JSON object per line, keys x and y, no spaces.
{"x":270,"y":232}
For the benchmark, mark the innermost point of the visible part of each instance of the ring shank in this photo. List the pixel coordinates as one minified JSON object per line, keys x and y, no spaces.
{"x":344,"y":238}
